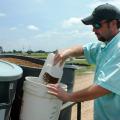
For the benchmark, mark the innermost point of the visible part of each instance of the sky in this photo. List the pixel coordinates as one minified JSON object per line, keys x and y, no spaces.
{"x":46,"y":24}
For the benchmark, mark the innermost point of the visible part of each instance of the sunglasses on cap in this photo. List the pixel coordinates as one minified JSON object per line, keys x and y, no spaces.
{"x":99,"y":25}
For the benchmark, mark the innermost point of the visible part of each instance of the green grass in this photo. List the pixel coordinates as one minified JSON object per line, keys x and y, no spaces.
{"x":78,"y":61}
{"x":84,"y":66}
{"x":36,"y":55}
{"x":39,"y":55}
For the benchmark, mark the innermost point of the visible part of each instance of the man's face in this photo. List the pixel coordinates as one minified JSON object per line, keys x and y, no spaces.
{"x":103,"y":31}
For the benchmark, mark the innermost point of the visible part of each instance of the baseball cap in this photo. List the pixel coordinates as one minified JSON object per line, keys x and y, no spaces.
{"x":102,"y":12}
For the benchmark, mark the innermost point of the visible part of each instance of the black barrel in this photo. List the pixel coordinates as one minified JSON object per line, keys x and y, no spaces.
{"x":67,"y":78}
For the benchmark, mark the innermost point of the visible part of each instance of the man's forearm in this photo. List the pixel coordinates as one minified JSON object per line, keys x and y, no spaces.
{"x":80,"y":96}
{"x":75,"y":51}
{"x":90,"y":93}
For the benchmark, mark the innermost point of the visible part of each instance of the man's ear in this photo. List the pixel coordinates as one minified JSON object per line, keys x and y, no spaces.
{"x":114,"y":22}
{"x":113,"y":26}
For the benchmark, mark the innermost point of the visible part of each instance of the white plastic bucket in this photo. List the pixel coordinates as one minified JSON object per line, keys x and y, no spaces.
{"x":37,"y":103}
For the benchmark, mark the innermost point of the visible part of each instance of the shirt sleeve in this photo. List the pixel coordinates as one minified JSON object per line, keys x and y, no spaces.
{"x":91,"y":51}
{"x":109,"y":75}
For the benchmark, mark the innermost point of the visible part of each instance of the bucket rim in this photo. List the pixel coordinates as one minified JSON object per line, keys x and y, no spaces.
{"x":27,"y":78}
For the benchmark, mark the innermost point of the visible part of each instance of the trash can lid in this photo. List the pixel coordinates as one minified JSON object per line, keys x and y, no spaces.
{"x":9,"y":71}
{"x":75,"y":67}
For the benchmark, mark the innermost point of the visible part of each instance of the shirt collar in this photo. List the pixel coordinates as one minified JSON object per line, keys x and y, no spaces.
{"x":116,"y":37}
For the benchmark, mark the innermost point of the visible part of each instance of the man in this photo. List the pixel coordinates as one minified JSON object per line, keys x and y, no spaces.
{"x":106,"y":55}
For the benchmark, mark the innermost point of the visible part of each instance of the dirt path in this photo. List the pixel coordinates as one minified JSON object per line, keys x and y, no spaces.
{"x":81,"y":82}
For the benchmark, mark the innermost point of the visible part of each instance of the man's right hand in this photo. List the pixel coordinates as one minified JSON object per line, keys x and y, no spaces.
{"x":61,"y":56}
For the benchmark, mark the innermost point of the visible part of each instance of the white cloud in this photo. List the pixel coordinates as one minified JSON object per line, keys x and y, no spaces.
{"x":71,"y":22}
{"x":60,"y":40}
{"x":2,"y":14}
{"x":32,"y":27}
{"x":63,"y":36}
{"x":13,"y":28}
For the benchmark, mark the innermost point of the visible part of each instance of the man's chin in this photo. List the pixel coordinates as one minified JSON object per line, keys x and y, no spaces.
{"x":102,"y":40}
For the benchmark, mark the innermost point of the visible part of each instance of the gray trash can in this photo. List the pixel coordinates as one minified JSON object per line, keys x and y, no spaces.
{"x":9,"y":74}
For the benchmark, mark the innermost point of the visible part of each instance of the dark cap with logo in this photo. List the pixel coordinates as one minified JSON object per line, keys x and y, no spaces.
{"x":102,"y":12}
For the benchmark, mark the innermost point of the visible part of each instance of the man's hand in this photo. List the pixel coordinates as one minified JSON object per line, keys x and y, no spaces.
{"x":57,"y":91}
{"x":61,"y":56}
